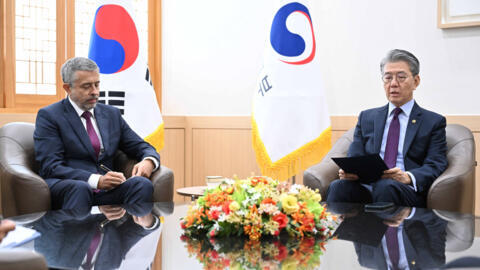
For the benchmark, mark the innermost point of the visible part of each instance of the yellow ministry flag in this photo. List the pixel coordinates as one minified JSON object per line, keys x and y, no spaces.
{"x":290,"y":123}
{"x":124,"y":74}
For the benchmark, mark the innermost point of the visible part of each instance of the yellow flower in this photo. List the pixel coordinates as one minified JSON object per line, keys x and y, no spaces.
{"x":289,"y":264}
{"x":289,"y":204}
{"x":234,"y":206}
{"x":317,"y":197}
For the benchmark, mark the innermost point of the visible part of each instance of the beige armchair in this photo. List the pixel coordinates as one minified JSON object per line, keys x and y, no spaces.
{"x":23,"y":191}
{"x":21,"y":259}
{"x":453,"y":190}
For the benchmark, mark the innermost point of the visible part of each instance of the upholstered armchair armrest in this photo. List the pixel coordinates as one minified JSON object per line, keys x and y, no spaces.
{"x":19,"y":258}
{"x":460,"y":230}
{"x":162,"y":179}
{"x":23,"y":191}
{"x":163,"y":208}
{"x":28,"y":219}
{"x":320,"y":176}
{"x":454,"y":189}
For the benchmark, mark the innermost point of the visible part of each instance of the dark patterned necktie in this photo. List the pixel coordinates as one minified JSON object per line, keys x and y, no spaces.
{"x":391,"y":238}
{"x":391,"y":149}
{"x":91,"y":132}
{"x":94,"y":243}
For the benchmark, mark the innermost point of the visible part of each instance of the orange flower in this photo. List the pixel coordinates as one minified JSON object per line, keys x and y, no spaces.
{"x":258,"y":179}
{"x":215,"y":199}
{"x":297,"y":217}
{"x":268,"y":201}
{"x":253,"y":231}
{"x":253,"y":209}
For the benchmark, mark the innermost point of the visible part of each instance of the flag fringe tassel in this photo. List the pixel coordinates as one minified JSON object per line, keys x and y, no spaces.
{"x":156,"y":138}
{"x":300,"y":159}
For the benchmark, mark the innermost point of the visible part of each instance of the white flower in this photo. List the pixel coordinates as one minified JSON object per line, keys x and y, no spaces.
{"x":268,"y":208}
{"x":295,"y":188}
{"x":216,"y":208}
{"x":255,"y":197}
{"x":222,"y":217}
{"x":241,"y":212}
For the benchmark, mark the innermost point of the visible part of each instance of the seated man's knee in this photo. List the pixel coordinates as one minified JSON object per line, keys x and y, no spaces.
{"x":338,"y":190}
{"x":70,"y":194}
{"x":386,"y":190}
{"x":348,"y":191}
{"x":138,"y":189}
{"x":75,"y":187}
{"x":341,"y":185}
{"x":141,"y":182}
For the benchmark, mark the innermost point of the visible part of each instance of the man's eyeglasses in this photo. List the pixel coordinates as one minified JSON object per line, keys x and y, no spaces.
{"x":401,"y":77}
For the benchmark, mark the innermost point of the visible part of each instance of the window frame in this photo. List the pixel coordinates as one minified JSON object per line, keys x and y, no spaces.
{"x":10,"y":101}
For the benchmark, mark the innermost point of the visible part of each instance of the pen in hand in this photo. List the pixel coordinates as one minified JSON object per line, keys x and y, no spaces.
{"x":105,"y":168}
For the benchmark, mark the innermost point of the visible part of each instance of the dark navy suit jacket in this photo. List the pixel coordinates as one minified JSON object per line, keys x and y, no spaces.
{"x":424,"y":148}
{"x":66,"y":236}
{"x":63,"y":148}
{"x":424,"y":237}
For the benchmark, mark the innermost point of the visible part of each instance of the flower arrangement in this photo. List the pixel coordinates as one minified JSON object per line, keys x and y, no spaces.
{"x":271,"y":253}
{"x":256,"y":207}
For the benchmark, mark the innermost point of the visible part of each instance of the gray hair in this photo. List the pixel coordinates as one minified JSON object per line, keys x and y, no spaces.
{"x":75,"y":64}
{"x":397,"y":55}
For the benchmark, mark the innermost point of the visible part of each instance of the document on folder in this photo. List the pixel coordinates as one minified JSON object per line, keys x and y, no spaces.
{"x":18,"y":237}
{"x":369,"y":168}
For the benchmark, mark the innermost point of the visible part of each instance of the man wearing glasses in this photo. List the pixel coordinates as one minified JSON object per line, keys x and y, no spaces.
{"x":411,"y":140}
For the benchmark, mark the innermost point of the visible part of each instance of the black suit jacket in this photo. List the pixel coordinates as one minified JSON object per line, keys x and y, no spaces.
{"x":424,"y":148}
{"x":63,"y":148}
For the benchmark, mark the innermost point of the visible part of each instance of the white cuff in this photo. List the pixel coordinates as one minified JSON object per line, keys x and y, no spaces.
{"x":95,"y":210}
{"x":155,"y":162}
{"x":93,"y":180}
{"x":155,"y":224}
{"x":414,"y":181}
{"x":412,"y":213}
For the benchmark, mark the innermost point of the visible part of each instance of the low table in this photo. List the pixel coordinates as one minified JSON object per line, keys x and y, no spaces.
{"x":193,"y":192}
{"x":67,"y":234}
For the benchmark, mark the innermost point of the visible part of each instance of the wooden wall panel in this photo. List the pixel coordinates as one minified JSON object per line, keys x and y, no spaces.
{"x":17,"y":117}
{"x":173,"y":156}
{"x":476,"y":135}
{"x":222,"y":152}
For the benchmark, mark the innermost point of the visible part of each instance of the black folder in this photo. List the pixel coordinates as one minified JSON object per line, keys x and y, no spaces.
{"x":364,"y":228}
{"x":369,"y":168}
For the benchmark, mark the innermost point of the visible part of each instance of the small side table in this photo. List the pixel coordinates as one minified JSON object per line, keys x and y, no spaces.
{"x":193,"y":192}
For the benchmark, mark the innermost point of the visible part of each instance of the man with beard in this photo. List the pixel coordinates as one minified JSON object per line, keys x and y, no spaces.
{"x":75,"y":144}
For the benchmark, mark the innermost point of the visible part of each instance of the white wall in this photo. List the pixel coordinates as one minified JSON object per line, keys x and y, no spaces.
{"x":212,"y":53}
